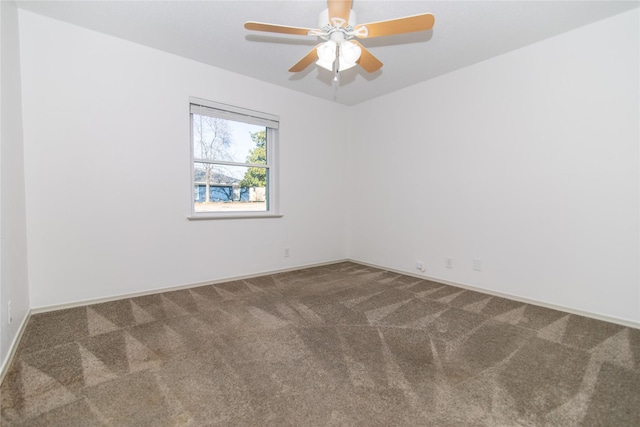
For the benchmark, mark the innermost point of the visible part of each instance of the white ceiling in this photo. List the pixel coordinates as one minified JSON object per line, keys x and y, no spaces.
{"x":212,"y":32}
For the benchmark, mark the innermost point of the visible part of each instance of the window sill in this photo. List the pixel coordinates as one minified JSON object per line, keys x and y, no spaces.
{"x":234,"y":215}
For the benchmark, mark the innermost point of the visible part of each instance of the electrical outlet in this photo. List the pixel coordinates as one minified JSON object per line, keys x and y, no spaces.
{"x":448,"y":262}
{"x":420,"y":266}
{"x":286,"y":252}
{"x":9,"y":316}
{"x":477,"y":264}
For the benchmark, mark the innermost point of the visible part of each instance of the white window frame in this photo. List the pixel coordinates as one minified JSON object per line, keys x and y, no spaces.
{"x":238,"y":114}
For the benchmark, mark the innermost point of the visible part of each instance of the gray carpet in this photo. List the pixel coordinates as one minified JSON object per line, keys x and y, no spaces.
{"x":342,"y":344}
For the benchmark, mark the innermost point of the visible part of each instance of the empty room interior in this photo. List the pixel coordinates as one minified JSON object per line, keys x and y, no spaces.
{"x":451,"y":238}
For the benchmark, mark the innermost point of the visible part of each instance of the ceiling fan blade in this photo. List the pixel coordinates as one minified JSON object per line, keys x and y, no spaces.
{"x":408,"y":24}
{"x":367,"y":61}
{"x":339,"y":9}
{"x":307,"y":60}
{"x":273,"y":28}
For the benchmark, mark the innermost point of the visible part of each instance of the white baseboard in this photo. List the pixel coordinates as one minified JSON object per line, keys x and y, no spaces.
{"x":570,"y":310}
{"x":46,"y":309}
{"x":6,"y":363}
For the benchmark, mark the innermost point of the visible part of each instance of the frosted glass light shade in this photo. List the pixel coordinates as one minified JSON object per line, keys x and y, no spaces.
{"x":326,"y":55}
{"x":349,"y":55}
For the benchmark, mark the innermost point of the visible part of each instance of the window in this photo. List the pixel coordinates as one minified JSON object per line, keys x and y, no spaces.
{"x":233,"y":162}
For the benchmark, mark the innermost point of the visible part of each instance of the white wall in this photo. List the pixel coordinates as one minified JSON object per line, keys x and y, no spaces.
{"x":107,"y":170}
{"x":528,"y":161}
{"x":13,"y":236}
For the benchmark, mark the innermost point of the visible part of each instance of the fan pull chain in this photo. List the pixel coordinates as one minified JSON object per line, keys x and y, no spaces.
{"x":336,"y":69}
{"x":336,"y":76}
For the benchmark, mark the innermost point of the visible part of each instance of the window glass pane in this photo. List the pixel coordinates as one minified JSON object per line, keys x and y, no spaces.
{"x":222,"y":188}
{"x":228,"y":141}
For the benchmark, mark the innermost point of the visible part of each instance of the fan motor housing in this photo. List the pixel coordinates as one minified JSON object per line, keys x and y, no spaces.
{"x":324,"y":21}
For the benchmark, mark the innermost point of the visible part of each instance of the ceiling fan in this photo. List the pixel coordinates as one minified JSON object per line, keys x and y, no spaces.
{"x":338,"y":30}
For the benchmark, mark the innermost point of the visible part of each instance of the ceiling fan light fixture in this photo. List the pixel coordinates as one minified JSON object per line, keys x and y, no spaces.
{"x":349,"y":55}
{"x":337,"y":30}
{"x":326,"y":55}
